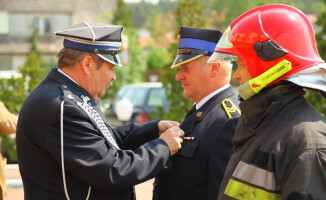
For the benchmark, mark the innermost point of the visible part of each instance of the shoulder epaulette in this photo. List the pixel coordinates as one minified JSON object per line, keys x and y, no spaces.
{"x":230,"y":109}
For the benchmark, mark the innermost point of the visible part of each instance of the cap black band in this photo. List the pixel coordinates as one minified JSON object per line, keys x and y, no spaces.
{"x":193,"y":51}
{"x":112,"y":52}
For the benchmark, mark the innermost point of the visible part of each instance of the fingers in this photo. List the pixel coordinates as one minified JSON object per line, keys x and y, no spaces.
{"x":175,"y":123}
{"x":173,"y":137}
{"x":180,"y":133}
{"x":164,"y":125}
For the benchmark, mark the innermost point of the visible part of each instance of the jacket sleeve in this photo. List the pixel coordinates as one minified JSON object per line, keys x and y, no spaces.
{"x":134,"y":135}
{"x":307,"y":179}
{"x":219,"y":156}
{"x":88,"y":156}
{"x":302,"y":174}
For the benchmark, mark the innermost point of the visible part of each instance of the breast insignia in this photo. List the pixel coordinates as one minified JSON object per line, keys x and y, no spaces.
{"x":230,"y":109}
{"x":199,"y":114}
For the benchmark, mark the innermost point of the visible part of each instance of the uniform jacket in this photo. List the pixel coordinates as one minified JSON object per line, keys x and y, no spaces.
{"x":280,"y":149}
{"x":198,"y":168}
{"x":89,"y":159}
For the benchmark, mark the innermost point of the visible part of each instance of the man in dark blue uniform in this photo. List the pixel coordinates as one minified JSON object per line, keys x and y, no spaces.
{"x":198,"y":168}
{"x":66,"y":148}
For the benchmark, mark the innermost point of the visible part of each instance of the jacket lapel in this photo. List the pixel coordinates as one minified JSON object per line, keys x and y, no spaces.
{"x":192,"y":118}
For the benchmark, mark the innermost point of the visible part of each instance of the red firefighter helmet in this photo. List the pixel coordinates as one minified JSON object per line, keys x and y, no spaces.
{"x":266,"y":35}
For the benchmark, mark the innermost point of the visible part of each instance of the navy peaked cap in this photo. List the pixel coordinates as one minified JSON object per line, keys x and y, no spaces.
{"x":101,"y":39}
{"x":194,"y":43}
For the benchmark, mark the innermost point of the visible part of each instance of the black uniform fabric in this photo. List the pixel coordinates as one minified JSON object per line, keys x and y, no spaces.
{"x":198,"y":168}
{"x":280,"y":148}
{"x":89,"y":159}
{"x":198,"y":33}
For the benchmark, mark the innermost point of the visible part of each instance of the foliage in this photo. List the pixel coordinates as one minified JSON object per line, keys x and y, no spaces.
{"x":321,"y":35}
{"x":143,"y":11}
{"x":122,"y":15}
{"x":156,"y":57}
{"x":190,"y":13}
{"x":160,"y":24}
{"x":135,"y":68}
{"x":13,"y":92}
{"x":316,"y":99}
{"x":234,"y":8}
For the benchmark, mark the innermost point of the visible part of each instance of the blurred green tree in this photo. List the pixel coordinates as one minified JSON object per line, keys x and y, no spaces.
{"x":156,"y":57}
{"x":13,"y":91}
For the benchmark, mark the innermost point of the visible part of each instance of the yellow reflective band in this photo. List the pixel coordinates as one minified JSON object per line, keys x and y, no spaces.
{"x":231,"y":109}
{"x":242,"y":191}
{"x":253,"y":86}
{"x":270,"y":75}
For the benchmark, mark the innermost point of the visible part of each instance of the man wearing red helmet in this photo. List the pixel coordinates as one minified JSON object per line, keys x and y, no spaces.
{"x":280,"y":141}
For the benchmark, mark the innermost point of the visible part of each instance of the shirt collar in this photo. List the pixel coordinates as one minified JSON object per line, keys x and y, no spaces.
{"x":59,"y":70}
{"x":205,"y":99}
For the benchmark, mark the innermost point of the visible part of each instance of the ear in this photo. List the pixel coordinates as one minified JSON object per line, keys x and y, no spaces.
{"x":87,"y":64}
{"x":215,"y":69}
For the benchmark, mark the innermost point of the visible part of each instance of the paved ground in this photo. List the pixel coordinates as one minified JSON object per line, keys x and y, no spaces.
{"x":15,"y":188}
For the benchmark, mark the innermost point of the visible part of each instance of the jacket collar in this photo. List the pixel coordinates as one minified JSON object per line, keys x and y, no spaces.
{"x":258,"y":111}
{"x":189,"y":122}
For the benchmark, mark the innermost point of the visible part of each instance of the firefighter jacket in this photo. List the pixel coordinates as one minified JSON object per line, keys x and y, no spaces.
{"x":279,"y":149}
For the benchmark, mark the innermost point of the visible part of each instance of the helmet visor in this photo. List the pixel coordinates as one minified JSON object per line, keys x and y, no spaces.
{"x":223,"y":43}
{"x":218,"y":57}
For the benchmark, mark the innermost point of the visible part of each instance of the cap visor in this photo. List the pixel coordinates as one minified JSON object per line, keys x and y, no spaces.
{"x":184,"y":58}
{"x":114,"y":59}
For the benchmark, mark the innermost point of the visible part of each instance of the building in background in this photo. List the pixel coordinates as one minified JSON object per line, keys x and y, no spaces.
{"x":19,"y":18}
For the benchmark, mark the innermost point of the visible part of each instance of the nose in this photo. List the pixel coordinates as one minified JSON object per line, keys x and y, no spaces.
{"x":113,"y":75}
{"x":180,"y":76}
{"x":236,"y":75}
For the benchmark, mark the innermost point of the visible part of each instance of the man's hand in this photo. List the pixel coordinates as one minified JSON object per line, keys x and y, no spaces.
{"x":173,"y":137}
{"x":165,"y":125}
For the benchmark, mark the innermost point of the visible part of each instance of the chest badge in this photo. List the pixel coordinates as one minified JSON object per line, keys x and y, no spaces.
{"x":199,"y":114}
{"x":85,"y":98}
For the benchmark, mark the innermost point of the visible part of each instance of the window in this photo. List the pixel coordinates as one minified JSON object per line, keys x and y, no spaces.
{"x":156,"y":97}
{"x":4,"y":21}
{"x":5,"y":62}
{"x":43,"y":25}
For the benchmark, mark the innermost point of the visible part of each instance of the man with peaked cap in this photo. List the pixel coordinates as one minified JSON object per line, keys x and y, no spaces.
{"x":280,"y":140}
{"x":66,"y":148}
{"x":198,"y":168}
